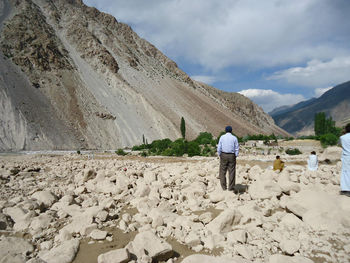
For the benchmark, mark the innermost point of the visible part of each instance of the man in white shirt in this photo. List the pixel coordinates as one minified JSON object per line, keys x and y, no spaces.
{"x":345,"y":159}
{"x":228,"y":149}
{"x":312,"y":162}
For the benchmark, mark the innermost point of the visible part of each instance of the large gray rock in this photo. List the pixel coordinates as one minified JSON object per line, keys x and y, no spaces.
{"x":115,"y":256}
{"x":321,"y":210}
{"x":223,"y":223}
{"x":264,"y":189}
{"x":14,"y":249}
{"x":148,"y":243}
{"x":63,"y":253}
{"x":287,"y":259}
{"x":45,"y":198}
{"x":290,"y":246}
{"x":210,"y":259}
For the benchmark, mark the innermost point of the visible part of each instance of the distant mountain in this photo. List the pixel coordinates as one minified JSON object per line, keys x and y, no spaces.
{"x":290,"y":108}
{"x":72,"y":77}
{"x":299,"y":118}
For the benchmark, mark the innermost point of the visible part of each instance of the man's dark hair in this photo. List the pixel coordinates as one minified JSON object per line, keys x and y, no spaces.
{"x":347,"y":128}
{"x":313,"y":152}
{"x":228,"y":129}
{"x":277,"y":157}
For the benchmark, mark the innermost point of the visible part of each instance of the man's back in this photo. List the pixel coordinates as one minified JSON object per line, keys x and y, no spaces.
{"x":345,"y":143}
{"x":228,"y":143}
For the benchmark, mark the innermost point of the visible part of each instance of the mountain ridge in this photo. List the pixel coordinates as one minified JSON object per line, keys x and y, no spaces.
{"x":299,"y":118}
{"x":98,"y":85}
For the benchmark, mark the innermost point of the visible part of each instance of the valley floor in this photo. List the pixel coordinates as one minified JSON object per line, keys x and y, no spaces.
{"x":77,"y":208}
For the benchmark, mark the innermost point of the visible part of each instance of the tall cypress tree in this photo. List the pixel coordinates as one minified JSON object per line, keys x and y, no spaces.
{"x":183,"y":127}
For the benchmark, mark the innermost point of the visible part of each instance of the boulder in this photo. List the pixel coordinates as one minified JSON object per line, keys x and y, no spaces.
{"x":321,"y":210}
{"x":63,"y":253}
{"x":98,"y":234}
{"x":289,"y":246}
{"x":278,"y":258}
{"x":237,"y":236}
{"x":14,"y":249}
{"x":210,"y":259}
{"x":223,"y":223}
{"x":148,"y":243}
{"x":264,"y":190}
{"x":44,"y":198}
{"x":115,"y":256}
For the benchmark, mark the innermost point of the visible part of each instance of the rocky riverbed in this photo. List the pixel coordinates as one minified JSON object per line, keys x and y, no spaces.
{"x":74,"y":208}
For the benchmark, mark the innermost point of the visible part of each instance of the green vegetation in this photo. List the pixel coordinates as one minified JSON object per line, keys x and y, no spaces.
{"x":325,"y":130}
{"x":78,"y":151}
{"x":183,"y":127}
{"x":325,"y":125}
{"x":120,"y":152}
{"x":329,"y":139}
{"x":294,"y":151}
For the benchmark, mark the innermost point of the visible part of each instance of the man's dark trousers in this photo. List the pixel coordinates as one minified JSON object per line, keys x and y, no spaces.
{"x":227,"y":162}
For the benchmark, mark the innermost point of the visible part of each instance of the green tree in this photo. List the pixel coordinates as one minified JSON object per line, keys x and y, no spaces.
{"x":329,"y":139}
{"x":320,"y":123}
{"x":183,"y":127}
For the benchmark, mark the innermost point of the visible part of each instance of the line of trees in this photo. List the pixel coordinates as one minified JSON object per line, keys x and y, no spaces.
{"x":325,"y":129}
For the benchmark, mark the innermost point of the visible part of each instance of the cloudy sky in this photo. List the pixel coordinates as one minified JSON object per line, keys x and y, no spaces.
{"x":276,"y":52}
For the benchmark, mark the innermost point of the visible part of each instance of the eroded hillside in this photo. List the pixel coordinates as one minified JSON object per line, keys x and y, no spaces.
{"x":73,"y":77}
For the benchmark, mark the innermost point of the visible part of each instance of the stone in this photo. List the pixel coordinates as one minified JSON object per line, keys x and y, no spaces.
{"x":205,"y":218}
{"x":16,"y":213}
{"x":278,"y":258}
{"x":289,"y":246}
{"x":210,"y":259}
{"x":115,"y":256}
{"x":98,"y":234}
{"x":264,"y":190}
{"x":237,"y":236}
{"x":44,"y":198}
{"x":63,"y":253}
{"x":223,"y":223}
{"x":192,"y":239}
{"x":155,"y":247}
{"x":14,"y":248}
{"x":291,"y":221}
{"x":244,"y":251}
{"x":321,"y":210}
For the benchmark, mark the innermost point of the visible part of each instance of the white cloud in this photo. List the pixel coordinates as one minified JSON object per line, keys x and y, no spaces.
{"x":317,"y":73}
{"x":269,"y":99}
{"x":205,"y":79}
{"x":251,"y":33}
{"x":320,"y":91}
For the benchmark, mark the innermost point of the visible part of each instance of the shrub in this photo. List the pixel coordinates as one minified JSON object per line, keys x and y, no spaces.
{"x":144,"y":154}
{"x":138,"y":147}
{"x":120,"y":152}
{"x":204,"y":138}
{"x":159,"y":146}
{"x":328,"y":139}
{"x":178,"y":147}
{"x":294,"y":151}
{"x":78,"y":151}
{"x":193,"y":149}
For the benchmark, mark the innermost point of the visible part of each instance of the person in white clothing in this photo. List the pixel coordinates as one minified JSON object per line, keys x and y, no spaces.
{"x":228,"y":149}
{"x":345,"y":159}
{"x":312,"y":162}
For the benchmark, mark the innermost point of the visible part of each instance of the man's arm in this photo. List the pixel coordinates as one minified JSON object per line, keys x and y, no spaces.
{"x":219,"y":149}
{"x":236,"y":148}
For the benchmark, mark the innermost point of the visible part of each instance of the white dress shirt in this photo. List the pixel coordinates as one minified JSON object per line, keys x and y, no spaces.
{"x":228,"y":143}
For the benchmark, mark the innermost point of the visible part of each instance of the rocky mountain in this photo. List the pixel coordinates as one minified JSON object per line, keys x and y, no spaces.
{"x":299,"y":119}
{"x":73,"y":77}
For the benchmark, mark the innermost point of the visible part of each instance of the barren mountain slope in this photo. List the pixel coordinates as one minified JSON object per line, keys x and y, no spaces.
{"x":299,"y":119}
{"x":73,"y":77}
